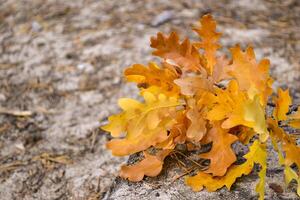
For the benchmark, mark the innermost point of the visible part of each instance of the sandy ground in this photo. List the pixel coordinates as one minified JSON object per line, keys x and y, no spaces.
{"x":60,"y":76}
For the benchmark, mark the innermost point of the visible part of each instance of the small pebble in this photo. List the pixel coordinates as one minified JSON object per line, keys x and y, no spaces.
{"x":35,"y":26}
{"x":163,"y":17}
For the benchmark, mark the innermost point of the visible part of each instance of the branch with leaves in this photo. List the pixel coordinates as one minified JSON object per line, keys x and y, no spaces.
{"x":196,"y":97}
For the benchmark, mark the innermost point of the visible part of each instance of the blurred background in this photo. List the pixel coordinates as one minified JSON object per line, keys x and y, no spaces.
{"x":61,"y":66}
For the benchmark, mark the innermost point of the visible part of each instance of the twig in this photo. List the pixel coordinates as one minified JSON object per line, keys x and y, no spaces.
{"x":11,"y":166}
{"x":179,"y":161}
{"x":201,"y":166}
{"x":24,"y":113}
{"x":183,"y":174}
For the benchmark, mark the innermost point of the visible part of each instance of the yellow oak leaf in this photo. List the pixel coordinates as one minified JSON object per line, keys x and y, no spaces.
{"x":144,"y":124}
{"x":289,"y":173}
{"x":289,"y":144}
{"x":256,"y":154}
{"x":221,"y":155}
{"x":235,"y":108}
{"x":184,"y":54}
{"x":282,"y":102}
{"x":295,"y":123}
{"x":152,"y":75}
{"x":151,"y":166}
{"x":262,"y":160}
{"x":252,"y":77}
{"x":295,"y":115}
{"x":209,"y":40}
{"x":294,"y":119}
{"x":255,"y":118}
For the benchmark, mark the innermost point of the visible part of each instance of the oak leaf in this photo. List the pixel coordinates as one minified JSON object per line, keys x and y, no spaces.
{"x":151,"y":166}
{"x":194,"y":85}
{"x":220,"y":70}
{"x":295,"y":119}
{"x":289,"y":144}
{"x":197,"y":128}
{"x":256,"y":154}
{"x":153,"y":75}
{"x":262,"y":160}
{"x":245,"y":134}
{"x":221,"y":155}
{"x":177,"y":134}
{"x":289,"y":173}
{"x":282,"y":103}
{"x":235,"y":108}
{"x":184,"y":54}
{"x":145,"y":124}
{"x":209,"y":40}
{"x":252,"y":77}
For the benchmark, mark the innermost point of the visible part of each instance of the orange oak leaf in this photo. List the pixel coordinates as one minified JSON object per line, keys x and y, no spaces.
{"x":127,"y":146}
{"x":209,"y":40}
{"x":151,"y":166}
{"x":245,"y":134}
{"x":194,"y":85}
{"x":177,"y":134}
{"x":184,"y":54}
{"x":153,"y":75}
{"x":220,"y":69}
{"x":197,"y":128}
{"x":256,"y":154}
{"x":221,"y":155}
{"x":252,"y":77}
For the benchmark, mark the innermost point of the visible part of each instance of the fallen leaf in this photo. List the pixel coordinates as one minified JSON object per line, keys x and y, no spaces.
{"x":184,"y":54}
{"x":209,"y":40}
{"x":153,"y":75}
{"x":282,"y":103}
{"x":197,"y":128}
{"x":144,"y":124}
{"x":235,"y":108}
{"x":194,"y":85}
{"x":221,"y":155}
{"x":252,"y":77}
{"x":151,"y":166}
{"x":256,"y":154}
{"x":294,"y":119}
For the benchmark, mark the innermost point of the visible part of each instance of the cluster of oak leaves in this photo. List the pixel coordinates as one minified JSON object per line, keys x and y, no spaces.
{"x":195,"y":97}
